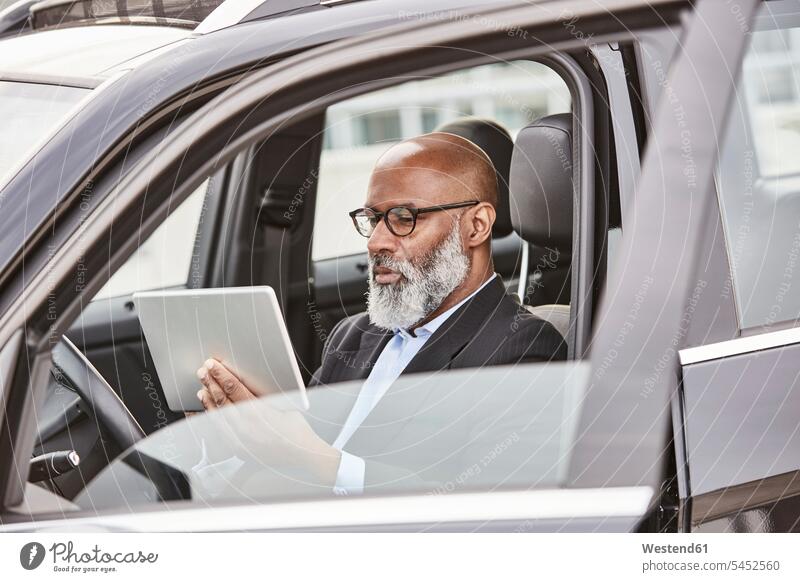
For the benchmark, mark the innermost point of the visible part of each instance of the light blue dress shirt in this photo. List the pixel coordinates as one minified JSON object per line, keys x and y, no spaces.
{"x":395,"y":356}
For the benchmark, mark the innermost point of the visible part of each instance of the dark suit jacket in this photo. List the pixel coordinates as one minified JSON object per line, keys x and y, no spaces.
{"x":490,"y":329}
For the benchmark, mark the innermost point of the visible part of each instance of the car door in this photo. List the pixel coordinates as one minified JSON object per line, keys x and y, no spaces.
{"x":740,"y":382}
{"x":611,"y":406}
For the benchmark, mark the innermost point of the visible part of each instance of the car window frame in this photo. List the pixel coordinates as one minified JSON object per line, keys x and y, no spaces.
{"x":585,"y":194}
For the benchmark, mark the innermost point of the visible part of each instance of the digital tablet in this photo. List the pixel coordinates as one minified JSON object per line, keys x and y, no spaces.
{"x":242,"y":327}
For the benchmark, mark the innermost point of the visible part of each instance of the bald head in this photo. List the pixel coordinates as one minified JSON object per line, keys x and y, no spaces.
{"x":447,"y":158}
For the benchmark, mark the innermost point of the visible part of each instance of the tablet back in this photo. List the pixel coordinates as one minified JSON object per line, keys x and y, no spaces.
{"x":240,"y":326}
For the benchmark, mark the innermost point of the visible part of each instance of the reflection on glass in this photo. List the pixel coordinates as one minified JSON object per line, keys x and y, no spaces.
{"x":772,"y":89}
{"x":30,"y":111}
{"x":759,"y":180}
{"x":431,"y":434}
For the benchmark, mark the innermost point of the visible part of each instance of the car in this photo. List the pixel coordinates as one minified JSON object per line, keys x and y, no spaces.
{"x":25,"y":16}
{"x":650,"y":218}
{"x":14,"y":16}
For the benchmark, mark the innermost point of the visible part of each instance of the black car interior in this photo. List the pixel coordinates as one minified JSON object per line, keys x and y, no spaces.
{"x":542,"y":215}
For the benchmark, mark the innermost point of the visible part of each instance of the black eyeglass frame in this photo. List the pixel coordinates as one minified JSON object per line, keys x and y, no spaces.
{"x":414,"y":213}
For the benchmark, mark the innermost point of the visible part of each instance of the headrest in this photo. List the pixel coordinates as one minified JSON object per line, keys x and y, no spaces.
{"x":540,"y":183}
{"x":495,"y":140}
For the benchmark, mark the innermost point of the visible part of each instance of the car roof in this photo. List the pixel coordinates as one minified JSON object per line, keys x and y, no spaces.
{"x":89,"y":52}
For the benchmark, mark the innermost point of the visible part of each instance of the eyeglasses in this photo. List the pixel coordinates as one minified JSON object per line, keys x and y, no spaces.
{"x":400,"y":220}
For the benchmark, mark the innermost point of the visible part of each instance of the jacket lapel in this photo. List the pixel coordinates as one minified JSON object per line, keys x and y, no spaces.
{"x":458,"y":330}
{"x":357,"y":364}
{"x":372,"y":343}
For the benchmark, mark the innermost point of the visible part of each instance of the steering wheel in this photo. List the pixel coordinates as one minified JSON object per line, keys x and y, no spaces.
{"x":76,"y":369}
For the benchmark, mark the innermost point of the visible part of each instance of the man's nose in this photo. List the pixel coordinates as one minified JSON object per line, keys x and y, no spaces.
{"x":381,"y":240}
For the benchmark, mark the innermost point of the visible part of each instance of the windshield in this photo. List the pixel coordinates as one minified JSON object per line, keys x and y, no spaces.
{"x":451,"y":432}
{"x":29,"y":112}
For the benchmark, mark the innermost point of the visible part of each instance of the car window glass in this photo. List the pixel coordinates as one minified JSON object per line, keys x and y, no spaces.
{"x":759,"y":181}
{"x":164,"y":259}
{"x":29,"y":112}
{"x":359,"y":130}
{"x":471,"y":430}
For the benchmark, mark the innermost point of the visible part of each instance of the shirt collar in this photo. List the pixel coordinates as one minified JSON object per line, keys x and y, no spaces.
{"x":430,"y":328}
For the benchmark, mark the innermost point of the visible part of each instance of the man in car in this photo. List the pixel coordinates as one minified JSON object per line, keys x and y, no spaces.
{"x":434,"y":300}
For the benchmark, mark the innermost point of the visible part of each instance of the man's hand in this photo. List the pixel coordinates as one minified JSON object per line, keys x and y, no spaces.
{"x":220,"y":386}
{"x":285,"y":437}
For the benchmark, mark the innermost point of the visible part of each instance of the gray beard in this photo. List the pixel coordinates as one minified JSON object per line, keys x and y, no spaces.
{"x":426,"y":283}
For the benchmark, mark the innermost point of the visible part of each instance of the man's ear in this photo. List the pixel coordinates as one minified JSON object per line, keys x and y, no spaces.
{"x":479,"y":228}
